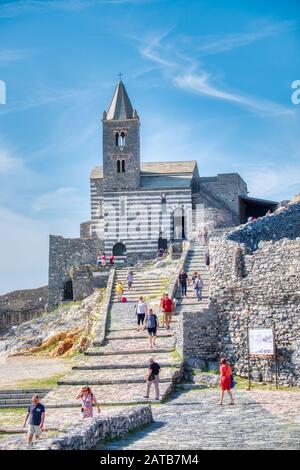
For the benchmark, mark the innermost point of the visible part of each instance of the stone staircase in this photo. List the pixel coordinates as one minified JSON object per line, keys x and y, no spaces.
{"x":147,"y":285}
{"x":116,"y":369}
{"x":19,"y":398}
{"x":195,"y":262}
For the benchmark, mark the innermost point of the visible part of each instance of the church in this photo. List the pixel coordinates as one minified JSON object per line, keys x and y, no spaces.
{"x":138,"y":207}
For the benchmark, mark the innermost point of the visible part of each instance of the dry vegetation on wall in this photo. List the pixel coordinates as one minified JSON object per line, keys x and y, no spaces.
{"x":67,"y":330}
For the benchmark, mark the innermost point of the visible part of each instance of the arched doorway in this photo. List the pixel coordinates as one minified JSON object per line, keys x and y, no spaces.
{"x":119,"y":249}
{"x":68,"y":290}
{"x":179,"y":223}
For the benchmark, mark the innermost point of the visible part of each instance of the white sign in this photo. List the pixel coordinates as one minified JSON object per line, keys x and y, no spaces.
{"x":261,"y":341}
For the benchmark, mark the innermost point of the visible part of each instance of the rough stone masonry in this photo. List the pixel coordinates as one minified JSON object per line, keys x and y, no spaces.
{"x":255,"y":279}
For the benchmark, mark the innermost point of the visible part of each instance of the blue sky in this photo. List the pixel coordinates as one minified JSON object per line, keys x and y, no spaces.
{"x":211,"y":81}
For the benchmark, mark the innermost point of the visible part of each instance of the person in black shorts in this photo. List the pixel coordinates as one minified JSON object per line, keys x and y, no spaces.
{"x":152,"y":325}
{"x":141,"y":311}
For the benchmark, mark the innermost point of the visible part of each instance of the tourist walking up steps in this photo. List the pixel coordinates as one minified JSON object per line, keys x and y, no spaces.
{"x":152,"y":378}
{"x":141,"y":310}
{"x":167,"y":307}
{"x":152,"y":325}
{"x":120,"y":290}
{"x":198,"y":286}
{"x":226,"y":381}
{"x":129,"y":280}
{"x":36,"y":416}
{"x":182,"y":282}
{"x":207,"y":260}
{"x":88,"y":399}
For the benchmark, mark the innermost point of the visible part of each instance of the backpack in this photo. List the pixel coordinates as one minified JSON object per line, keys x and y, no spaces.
{"x":153,"y":319}
{"x":124,"y":300}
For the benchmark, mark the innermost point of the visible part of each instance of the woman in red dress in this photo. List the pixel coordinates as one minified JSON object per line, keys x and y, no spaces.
{"x":225,"y":381}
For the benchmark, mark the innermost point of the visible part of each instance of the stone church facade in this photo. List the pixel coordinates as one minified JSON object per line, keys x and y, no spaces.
{"x":138,"y":207}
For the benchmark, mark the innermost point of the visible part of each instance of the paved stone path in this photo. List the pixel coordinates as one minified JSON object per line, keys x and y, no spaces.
{"x":192,"y":420}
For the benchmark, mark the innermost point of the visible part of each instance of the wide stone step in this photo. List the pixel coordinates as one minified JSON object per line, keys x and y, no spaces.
{"x":114,"y":394}
{"x":120,"y":324}
{"x":130,"y":341}
{"x":125,"y":344}
{"x":29,"y":391}
{"x":140,"y":360}
{"x":101,"y":352}
{"x":15,"y":401}
{"x":115,"y":376}
{"x":122,"y":365}
{"x":137,"y":335}
{"x":14,"y":405}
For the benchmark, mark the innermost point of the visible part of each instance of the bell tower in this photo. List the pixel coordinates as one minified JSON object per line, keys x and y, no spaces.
{"x":121,"y":144}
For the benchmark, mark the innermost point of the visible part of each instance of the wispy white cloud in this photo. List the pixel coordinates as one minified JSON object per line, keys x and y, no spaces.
{"x":13,"y":55}
{"x":215,"y":44}
{"x":40,"y":97}
{"x":9,"y":163}
{"x":274,"y":180}
{"x":23,"y":251}
{"x":186,"y":70}
{"x":202,"y":84}
{"x":12,"y":8}
{"x":62,"y":201}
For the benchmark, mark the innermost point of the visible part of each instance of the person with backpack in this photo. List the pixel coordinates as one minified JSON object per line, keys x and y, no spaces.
{"x":152,"y":378}
{"x":198,"y":286}
{"x":226,"y":381}
{"x":183,"y":279}
{"x":36,"y":415}
{"x":167,"y":307}
{"x":141,"y":310}
{"x":152,"y":325}
{"x":88,"y":399}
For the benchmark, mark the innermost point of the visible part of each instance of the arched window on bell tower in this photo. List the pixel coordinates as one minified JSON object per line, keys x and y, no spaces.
{"x":123,"y":166}
{"x":117,"y":138}
{"x":118,"y":166}
{"x":122,"y":139}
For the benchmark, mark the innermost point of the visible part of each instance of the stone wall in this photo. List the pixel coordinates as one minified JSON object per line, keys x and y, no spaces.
{"x":258,"y":290}
{"x":197,"y":338}
{"x":285,"y":222}
{"x":22,"y":305}
{"x":87,"y":434}
{"x":226,"y":188}
{"x":67,"y":253}
{"x":85,"y":229}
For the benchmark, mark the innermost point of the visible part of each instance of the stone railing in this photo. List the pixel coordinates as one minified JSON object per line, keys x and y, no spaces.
{"x":88,"y":433}
{"x":105,"y":307}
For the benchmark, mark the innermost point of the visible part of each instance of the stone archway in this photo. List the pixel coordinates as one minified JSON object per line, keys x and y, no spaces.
{"x":119,"y":249}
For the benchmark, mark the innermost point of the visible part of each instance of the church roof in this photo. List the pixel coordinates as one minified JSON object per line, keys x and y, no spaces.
{"x":181,"y":169}
{"x":168,"y":168}
{"x":166,"y":182}
{"x":120,"y":107}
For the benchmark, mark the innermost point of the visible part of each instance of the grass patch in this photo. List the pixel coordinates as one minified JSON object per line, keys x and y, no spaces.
{"x":47,"y":382}
{"x":175,"y":355}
